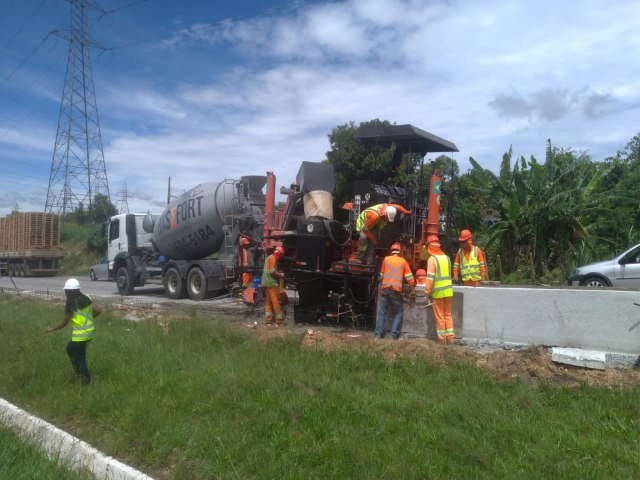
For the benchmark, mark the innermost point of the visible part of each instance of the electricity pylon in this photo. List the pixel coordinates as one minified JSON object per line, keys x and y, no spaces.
{"x":78,"y":170}
{"x":122,"y":205}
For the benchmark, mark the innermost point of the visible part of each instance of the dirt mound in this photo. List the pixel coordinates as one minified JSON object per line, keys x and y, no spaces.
{"x":531,"y":365}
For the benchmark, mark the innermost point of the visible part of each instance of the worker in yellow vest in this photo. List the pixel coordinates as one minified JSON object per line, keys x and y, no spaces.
{"x":80,"y":312}
{"x":394,"y":271}
{"x":369,"y":224}
{"x":440,"y":287}
{"x":469,"y":261}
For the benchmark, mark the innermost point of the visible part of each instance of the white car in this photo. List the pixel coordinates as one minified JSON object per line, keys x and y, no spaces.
{"x":622,"y":271}
{"x":100,"y":271}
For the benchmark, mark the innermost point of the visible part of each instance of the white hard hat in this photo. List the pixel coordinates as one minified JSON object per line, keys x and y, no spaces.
{"x":391,"y":213}
{"x":72,"y":284}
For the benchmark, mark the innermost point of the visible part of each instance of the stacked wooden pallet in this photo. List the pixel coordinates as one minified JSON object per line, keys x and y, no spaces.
{"x":29,"y":231}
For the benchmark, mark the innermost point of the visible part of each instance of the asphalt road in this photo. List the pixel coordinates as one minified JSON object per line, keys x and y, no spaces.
{"x":98,"y":288}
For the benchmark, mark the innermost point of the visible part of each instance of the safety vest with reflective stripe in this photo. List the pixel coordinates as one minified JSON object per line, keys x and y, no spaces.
{"x":270,"y":267}
{"x":470,"y":269}
{"x":82,"y":324}
{"x":374,"y":211}
{"x":394,"y":270}
{"x":442,"y":284}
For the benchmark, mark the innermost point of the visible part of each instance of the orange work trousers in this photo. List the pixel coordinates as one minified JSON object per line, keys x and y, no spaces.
{"x":444,"y":319}
{"x":272,"y":306}
{"x":471,"y":283}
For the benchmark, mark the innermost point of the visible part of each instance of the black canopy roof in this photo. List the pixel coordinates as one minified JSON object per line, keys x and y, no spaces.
{"x":407,"y":137}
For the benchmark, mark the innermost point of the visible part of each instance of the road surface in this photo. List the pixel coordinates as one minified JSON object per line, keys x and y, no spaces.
{"x":98,"y":288}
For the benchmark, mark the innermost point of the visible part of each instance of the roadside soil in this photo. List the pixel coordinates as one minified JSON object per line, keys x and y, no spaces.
{"x":530,"y":365}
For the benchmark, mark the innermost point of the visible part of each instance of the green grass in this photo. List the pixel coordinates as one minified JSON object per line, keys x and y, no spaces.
{"x":21,"y":460}
{"x":209,"y":401}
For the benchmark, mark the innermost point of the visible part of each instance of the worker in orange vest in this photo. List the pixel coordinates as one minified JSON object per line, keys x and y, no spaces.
{"x":245,"y":260}
{"x":270,"y":281}
{"x":469,"y":261}
{"x":369,"y":224}
{"x":440,"y":288}
{"x":394,"y":271}
{"x":421,"y":282}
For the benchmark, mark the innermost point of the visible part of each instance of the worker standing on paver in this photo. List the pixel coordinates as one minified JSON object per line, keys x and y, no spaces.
{"x":369,"y":224}
{"x":393,"y":272}
{"x":469,"y":261}
{"x":440,"y":288}
{"x":80,"y":311}
{"x":270,"y":281}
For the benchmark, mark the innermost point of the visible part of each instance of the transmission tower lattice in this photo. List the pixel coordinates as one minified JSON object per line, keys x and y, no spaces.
{"x":78,"y":170}
{"x":122,"y":205}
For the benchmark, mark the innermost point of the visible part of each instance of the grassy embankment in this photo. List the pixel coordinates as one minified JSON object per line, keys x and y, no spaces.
{"x":21,"y":460}
{"x":211,"y":401}
{"x":84,"y":245}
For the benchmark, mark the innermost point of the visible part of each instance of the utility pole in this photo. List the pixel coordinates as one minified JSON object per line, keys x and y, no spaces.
{"x":78,"y":169}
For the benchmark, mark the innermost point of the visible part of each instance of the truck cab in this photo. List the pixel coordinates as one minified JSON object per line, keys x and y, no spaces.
{"x":128,"y":237}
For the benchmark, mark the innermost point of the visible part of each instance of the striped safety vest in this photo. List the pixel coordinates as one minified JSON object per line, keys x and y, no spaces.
{"x":270,"y":267}
{"x":442,"y":284}
{"x":394,"y":270}
{"x":377,"y":210}
{"x":82,"y":324}
{"x":470,"y":269}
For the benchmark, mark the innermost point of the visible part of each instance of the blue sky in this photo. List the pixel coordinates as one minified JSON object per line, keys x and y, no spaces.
{"x":206,"y":90}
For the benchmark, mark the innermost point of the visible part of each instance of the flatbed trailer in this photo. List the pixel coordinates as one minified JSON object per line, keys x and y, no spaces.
{"x":30,"y":244}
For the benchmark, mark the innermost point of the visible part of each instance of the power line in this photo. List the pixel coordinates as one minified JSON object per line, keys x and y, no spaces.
{"x":212,"y":26}
{"x":22,"y":26}
{"x":29,"y":55}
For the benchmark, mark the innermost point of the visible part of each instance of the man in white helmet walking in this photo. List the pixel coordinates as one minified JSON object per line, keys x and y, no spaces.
{"x":369,"y":224}
{"x":80,"y":311}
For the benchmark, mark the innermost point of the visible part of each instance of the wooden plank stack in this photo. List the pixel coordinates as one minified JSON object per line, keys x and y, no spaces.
{"x":29,"y":231}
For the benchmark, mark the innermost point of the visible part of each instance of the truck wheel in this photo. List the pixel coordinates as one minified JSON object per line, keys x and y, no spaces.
{"x":124,"y":281}
{"x":197,"y":284}
{"x":173,"y":284}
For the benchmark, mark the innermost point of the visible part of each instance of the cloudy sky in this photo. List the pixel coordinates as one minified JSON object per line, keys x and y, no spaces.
{"x":206,"y":90}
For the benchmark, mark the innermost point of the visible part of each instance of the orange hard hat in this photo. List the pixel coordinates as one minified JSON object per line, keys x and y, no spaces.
{"x":244,"y":241}
{"x":279,"y":250}
{"x":464,"y":235}
{"x":421,"y":273}
{"x":432,"y":239}
{"x":395,"y":247}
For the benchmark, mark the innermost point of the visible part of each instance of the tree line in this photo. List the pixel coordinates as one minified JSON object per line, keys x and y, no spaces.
{"x":547,"y":216}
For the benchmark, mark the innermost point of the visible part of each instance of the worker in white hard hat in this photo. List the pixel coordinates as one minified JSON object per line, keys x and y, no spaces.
{"x":80,"y":311}
{"x":369,"y":224}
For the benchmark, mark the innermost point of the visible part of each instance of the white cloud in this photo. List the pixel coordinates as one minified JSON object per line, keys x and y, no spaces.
{"x":263,"y":93}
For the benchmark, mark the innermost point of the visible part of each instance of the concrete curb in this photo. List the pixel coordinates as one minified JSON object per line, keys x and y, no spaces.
{"x":58,"y":444}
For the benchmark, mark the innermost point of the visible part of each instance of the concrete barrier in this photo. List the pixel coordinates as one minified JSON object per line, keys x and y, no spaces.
{"x":58,"y":444}
{"x":591,"y":319}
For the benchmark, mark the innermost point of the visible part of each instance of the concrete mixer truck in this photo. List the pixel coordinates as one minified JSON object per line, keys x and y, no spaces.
{"x":191,"y":247}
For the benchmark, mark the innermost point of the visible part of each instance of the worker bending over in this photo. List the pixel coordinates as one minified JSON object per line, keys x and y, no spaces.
{"x":393,"y":272}
{"x":369,"y":224}
{"x":469,"y":261}
{"x":440,"y":288}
